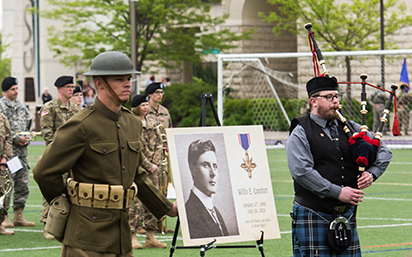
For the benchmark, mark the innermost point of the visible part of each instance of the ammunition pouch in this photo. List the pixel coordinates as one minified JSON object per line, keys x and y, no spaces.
{"x":57,"y":217}
{"x":100,"y":195}
{"x":339,"y":236}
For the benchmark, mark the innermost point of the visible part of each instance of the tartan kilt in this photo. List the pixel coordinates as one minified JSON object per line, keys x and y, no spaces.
{"x":309,"y":233}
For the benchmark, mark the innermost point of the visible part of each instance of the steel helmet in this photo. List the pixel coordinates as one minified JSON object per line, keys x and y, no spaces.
{"x":111,"y":63}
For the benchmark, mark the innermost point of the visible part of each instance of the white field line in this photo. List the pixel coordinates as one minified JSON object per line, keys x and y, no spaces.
{"x":30,"y":249}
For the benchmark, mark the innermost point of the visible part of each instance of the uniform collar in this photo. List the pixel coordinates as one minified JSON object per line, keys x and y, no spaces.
{"x":320,"y":121}
{"x":99,"y":106}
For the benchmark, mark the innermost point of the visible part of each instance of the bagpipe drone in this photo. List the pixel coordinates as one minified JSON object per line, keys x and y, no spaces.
{"x":363,"y":148}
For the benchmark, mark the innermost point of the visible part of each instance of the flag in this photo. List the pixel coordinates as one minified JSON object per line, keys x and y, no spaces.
{"x":404,"y":80}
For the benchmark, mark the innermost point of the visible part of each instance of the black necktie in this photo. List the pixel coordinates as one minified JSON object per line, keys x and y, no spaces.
{"x":333,"y":133}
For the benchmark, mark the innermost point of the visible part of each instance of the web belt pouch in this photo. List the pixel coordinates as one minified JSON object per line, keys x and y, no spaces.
{"x":339,"y":236}
{"x":72,"y":191}
{"x":85,"y":194}
{"x":131,"y":194}
{"x":57,"y":216}
{"x":116,"y":197}
{"x":101,"y":195}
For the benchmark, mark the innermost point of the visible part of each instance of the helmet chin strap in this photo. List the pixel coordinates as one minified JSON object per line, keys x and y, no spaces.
{"x":106,"y":85}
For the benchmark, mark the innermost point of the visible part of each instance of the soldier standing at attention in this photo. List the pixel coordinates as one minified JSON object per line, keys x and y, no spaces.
{"x":403,"y":109}
{"x":18,"y":116}
{"x":158,"y":115}
{"x":104,"y":156}
{"x":379,"y":99}
{"x":5,"y":153}
{"x":52,"y":115}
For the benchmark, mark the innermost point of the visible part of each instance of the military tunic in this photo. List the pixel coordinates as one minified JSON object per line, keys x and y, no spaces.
{"x":5,"y":145}
{"x":99,"y":147}
{"x":160,"y":116}
{"x":53,"y":115}
{"x":18,"y":116}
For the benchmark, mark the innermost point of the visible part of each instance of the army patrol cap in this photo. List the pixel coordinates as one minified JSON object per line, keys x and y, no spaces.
{"x":153,"y":87}
{"x":111,"y":63}
{"x":138,"y":99}
{"x":63,"y":80}
{"x":77,"y":89}
{"x":318,"y":84}
{"x":8,"y":83}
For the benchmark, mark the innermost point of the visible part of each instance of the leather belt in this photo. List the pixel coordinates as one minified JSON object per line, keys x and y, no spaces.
{"x":338,"y":209}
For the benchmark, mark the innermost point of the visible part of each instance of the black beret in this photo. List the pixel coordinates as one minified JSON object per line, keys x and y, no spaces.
{"x":63,"y":80}
{"x":138,"y":99}
{"x":317,"y":84}
{"x":402,"y":86}
{"x":8,"y":83}
{"x":77,"y":89}
{"x":150,"y":89}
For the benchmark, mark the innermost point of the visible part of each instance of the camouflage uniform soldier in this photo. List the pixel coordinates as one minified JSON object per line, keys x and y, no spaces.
{"x":379,"y":99}
{"x":153,"y":155}
{"x":17,"y":114}
{"x":158,"y":115}
{"x":102,"y":147}
{"x":54,"y":114}
{"x":5,"y":153}
{"x":403,"y":109}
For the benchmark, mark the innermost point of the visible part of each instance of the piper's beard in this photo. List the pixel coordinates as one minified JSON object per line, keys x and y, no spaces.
{"x":327,"y":113}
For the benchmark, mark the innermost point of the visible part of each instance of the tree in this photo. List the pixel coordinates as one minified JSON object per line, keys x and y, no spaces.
{"x":5,"y":63}
{"x":343,"y":25}
{"x":168,"y":31}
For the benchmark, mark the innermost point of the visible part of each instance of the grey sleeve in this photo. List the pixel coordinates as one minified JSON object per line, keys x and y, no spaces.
{"x":301,"y":163}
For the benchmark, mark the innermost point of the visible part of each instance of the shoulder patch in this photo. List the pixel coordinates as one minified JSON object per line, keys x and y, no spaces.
{"x":44,"y":113}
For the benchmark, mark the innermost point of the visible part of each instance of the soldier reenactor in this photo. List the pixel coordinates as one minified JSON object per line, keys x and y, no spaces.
{"x":104,"y":156}
{"x":5,"y":153}
{"x":52,"y":115}
{"x":403,"y":109}
{"x":18,"y":116}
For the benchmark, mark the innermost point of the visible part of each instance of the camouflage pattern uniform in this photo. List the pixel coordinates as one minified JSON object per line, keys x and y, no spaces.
{"x":153,"y":153}
{"x":18,"y":116}
{"x":5,"y":149}
{"x":403,"y":110}
{"x":53,"y":114}
{"x":379,"y":99}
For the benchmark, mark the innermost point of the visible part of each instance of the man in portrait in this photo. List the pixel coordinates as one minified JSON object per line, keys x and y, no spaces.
{"x":203,"y":218}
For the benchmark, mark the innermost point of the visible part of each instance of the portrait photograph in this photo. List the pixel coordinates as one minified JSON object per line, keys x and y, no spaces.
{"x":215,"y":187}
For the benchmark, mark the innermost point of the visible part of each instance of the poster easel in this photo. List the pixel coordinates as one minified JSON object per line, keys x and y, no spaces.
{"x":208,"y":98}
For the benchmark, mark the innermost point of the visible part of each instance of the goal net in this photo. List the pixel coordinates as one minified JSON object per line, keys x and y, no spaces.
{"x":276,"y":83}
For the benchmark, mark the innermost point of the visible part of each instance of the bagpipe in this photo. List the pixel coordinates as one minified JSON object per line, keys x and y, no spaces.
{"x":363,"y":148}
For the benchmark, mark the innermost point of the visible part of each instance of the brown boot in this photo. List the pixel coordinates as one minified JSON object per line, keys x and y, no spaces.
{"x":6,"y":223}
{"x":4,"y":231}
{"x":46,"y":235}
{"x":135,"y":243}
{"x":151,"y":241}
{"x":19,"y":221}
{"x":162,"y":229}
{"x":140,"y":230}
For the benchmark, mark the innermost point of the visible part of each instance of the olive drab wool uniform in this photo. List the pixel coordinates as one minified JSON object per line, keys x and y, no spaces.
{"x":403,"y":109}
{"x":53,"y":114}
{"x":100,"y":149}
{"x":379,"y":99}
{"x":18,"y":116}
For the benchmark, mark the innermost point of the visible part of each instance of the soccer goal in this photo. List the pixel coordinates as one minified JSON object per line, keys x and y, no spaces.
{"x":276,"y":82}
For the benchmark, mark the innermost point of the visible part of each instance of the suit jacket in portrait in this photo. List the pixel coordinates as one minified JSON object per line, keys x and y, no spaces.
{"x":201,"y":224}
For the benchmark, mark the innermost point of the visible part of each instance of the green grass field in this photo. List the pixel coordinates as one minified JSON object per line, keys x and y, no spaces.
{"x":384,"y":218}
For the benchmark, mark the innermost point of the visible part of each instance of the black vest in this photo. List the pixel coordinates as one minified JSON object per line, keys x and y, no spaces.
{"x":335,"y":165}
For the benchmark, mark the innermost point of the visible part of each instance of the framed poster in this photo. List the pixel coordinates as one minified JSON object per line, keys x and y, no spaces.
{"x":223,"y":185}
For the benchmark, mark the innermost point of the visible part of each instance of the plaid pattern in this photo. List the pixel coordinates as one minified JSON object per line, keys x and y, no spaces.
{"x":309,"y":233}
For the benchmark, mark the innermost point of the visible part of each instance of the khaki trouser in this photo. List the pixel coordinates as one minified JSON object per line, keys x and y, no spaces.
{"x":68,"y":251}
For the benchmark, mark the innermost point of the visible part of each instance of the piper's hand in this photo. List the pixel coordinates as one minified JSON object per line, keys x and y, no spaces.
{"x":173,"y":211}
{"x":351,"y":195}
{"x":365,"y":180}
